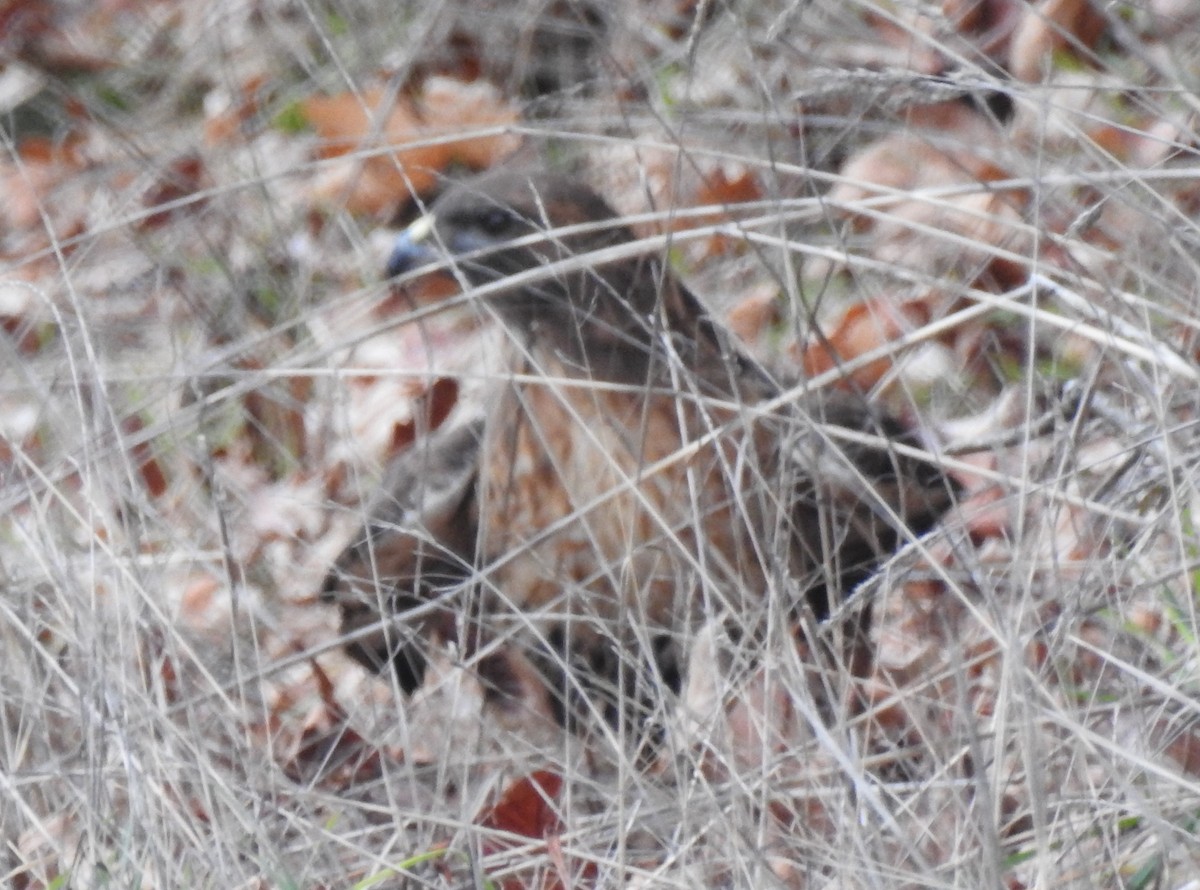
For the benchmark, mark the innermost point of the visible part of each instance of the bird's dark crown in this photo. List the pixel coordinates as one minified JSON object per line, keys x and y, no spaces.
{"x":506,"y":223}
{"x":612,"y":317}
{"x":503,"y":225}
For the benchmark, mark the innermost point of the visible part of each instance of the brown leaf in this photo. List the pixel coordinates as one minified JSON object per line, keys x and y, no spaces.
{"x":528,"y":807}
{"x":276,"y":426}
{"x":912,"y":35}
{"x":728,"y":186}
{"x":198,"y":600}
{"x":987,"y":514}
{"x":419,"y":133}
{"x":1052,"y":26}
{"x":345,"y":121}
{"x":431,"y":409}
{"x":864,"y":327}
{"x":26,"y":188}
{"x":755,"y":313}
{"x":44,"y":150}
{"x":988,"y":24}
{"x":1183,"y":747}
{"x":919,"y":233}
{"x":24,"y":320}
{"x":147,"y":466}
{"x":46,"y":853}
{"x":449,"y":105}
{"x":223,"y":126}
{"x":183,"y":177}
{"x":36,"y":33}
{"x":329,"y":750}
{"x":333,"y":755}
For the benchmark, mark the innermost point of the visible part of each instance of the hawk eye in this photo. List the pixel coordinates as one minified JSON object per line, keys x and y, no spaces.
{"x":495,"y":220}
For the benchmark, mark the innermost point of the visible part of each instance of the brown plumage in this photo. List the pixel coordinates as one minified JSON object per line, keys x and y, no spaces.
{"x":624,"y":480}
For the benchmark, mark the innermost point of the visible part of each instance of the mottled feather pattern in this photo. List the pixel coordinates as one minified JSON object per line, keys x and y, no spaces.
{"x":625,"y":476}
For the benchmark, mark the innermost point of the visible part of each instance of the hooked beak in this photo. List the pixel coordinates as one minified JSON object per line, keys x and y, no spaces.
{"x":412,"y":249}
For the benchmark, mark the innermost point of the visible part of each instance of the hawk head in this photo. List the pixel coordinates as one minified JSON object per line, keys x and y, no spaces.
{"x":504,"y":224}
{"x":549,"y":236}
{"x":617,"y":314}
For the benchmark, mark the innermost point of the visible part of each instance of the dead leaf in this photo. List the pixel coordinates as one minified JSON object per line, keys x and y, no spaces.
{"x":756,"y":313}
{"x":430,"y":410}
{"x":275,"y":415}
{"x":223,"y":124}
{"x":987,"y":514}
{"x":36,"y":33}
{"x":23,"y":189}
{"x":329,"y":751}
{"x":528,"y":807}
{"x":44,"y":851}
{"x":988,"y":24}
{"x":198,"y":602}
{"x":146,"y":464}
{"x":726,"y":186}
{"x":944,"y":235}
{"x":182,"y":178}
{"x":23,"y":319}
{"x":1053,"y":26}
{"x":402,"y":144}
{"x":1183,"y":746}
{"x":863,"y":328}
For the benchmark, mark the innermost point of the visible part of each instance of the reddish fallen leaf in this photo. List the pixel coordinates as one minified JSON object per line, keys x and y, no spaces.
{"x":988,"y":24}
{"x":728,"y":186}
{"x":1049,"y":27}
{"x":419,"y":132}
{"x":865,"y":327}
{"x":36,"y":33}
{"x":198,"y":601}
{"x":276,"y":427}
{"x":329,"y":751}
{"x":756,"y":313}
{"x":987,"y":513}
{"x":184,"y":176}
{"x":224,"y":125}
{"x":1183,"y":747}
{"x":60,"y":150}
{"x":146,"y":465}
{"x":335,"y":757}
{"x":431,"y":409}
{"x":950,"y":235}
{"x":461,"y":58}
{"x":528,"y":807}
{"x":26,"y":189}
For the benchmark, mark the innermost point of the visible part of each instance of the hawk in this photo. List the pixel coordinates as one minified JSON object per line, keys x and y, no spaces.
{"x":632,"y":472}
